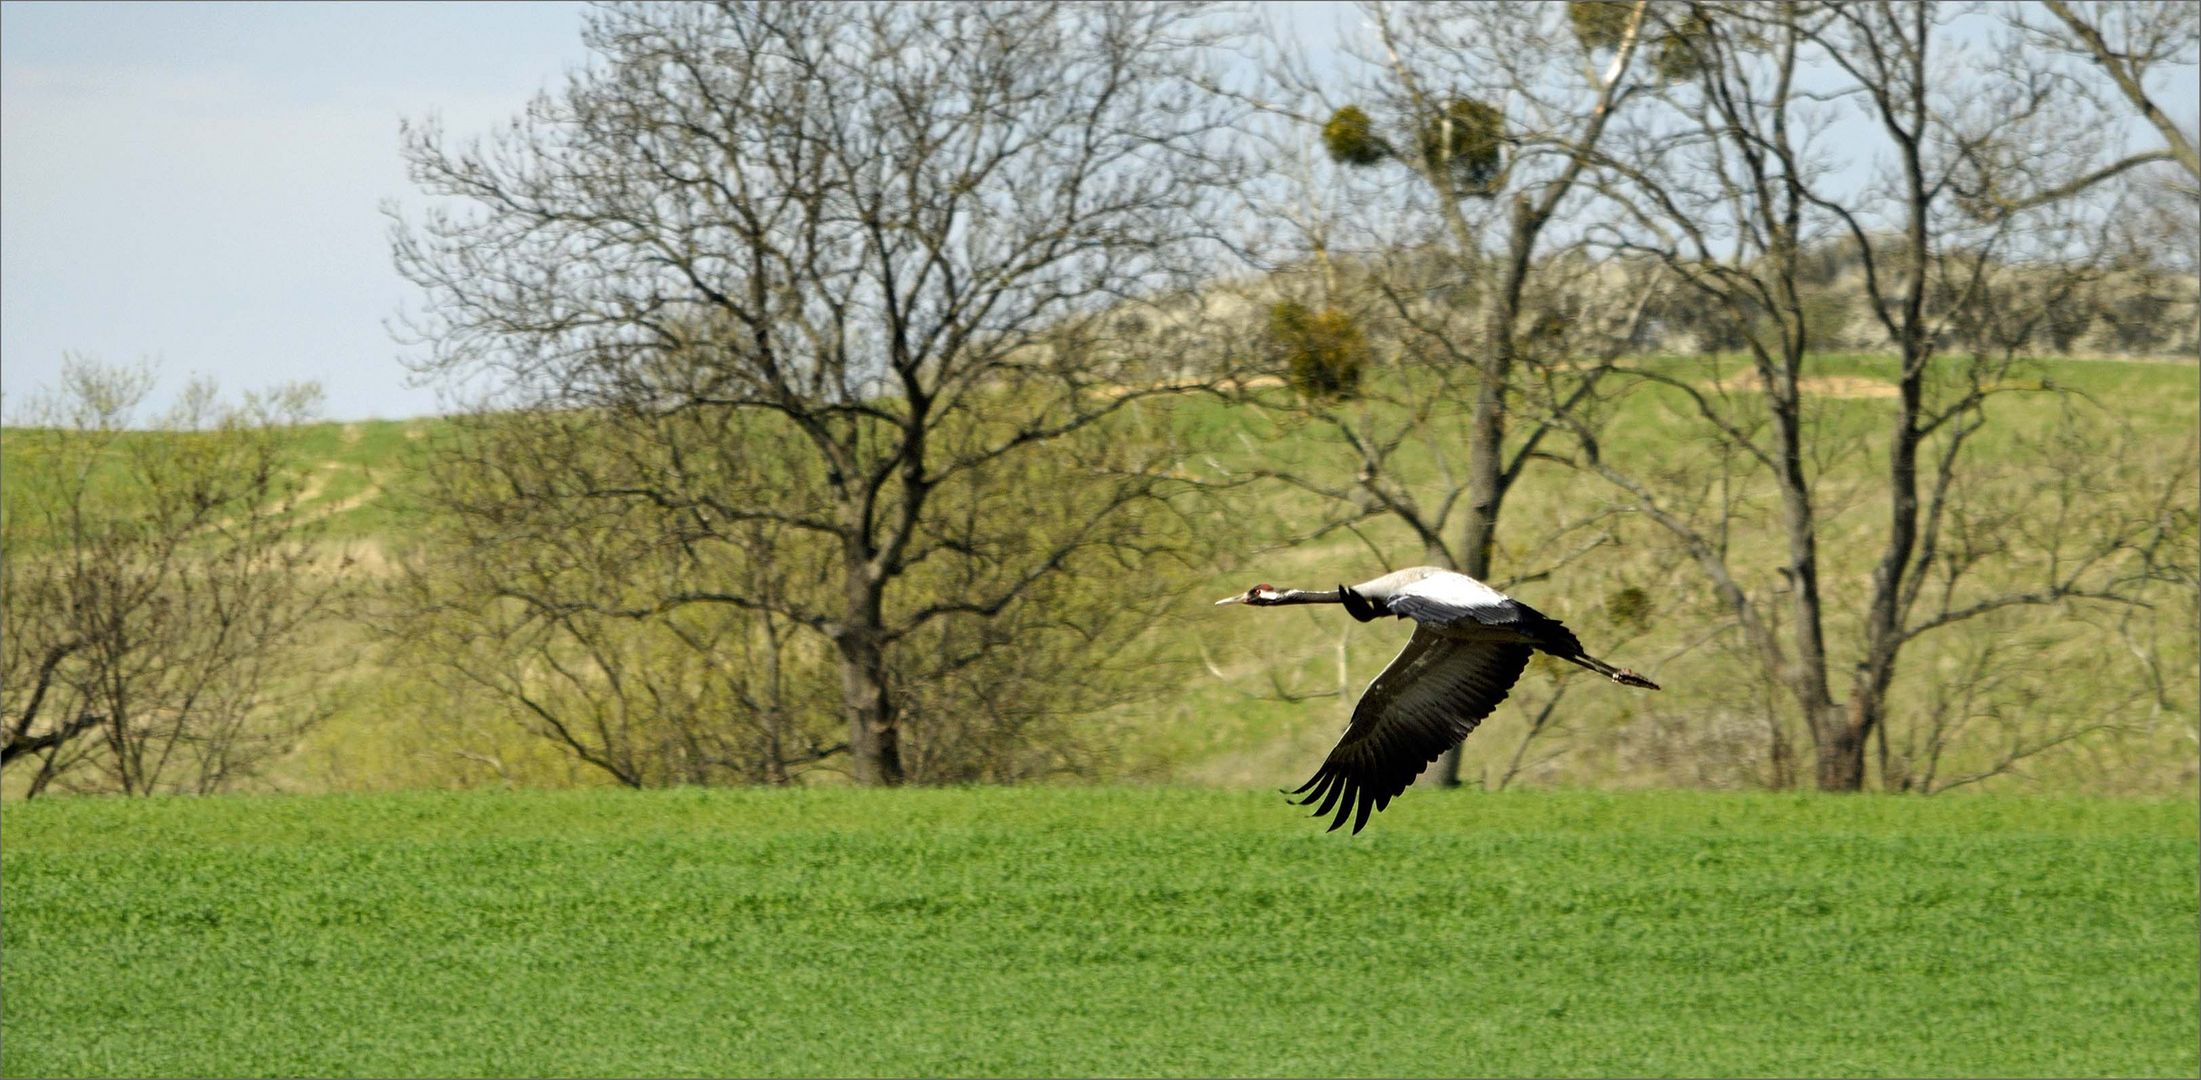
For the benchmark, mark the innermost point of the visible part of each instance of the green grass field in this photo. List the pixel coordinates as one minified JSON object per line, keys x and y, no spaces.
{"x":1108,"y":931}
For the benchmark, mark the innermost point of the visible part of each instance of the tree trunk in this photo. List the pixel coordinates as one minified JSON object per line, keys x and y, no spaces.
{"x":1482,"y":526}
{"x":1842,"y":745}
{"x":1445,"y":772}
{"x":775,"y":707}
{"x":1486,"y":479}
{"x":1840,"y":751}
{"x":874,"y":744}
{"x":1842,"y":763}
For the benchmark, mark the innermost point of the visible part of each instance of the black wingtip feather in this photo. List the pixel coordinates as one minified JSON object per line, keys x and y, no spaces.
{"x":1342,"y":797}
{"x":1344,"y":810}
{"x":1330,"y":798}
{"x":1315,"y":787}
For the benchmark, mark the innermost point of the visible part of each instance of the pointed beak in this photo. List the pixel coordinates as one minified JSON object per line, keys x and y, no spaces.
{"x":1230,"y":600}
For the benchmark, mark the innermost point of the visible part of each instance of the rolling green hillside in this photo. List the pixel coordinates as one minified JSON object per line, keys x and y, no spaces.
{"x":1254,"y":698}
{"x":1057,"y":931}
{"x":2131,"y":425}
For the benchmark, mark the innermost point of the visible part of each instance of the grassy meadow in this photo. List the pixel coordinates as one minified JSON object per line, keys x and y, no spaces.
{"x":1064,"y":931}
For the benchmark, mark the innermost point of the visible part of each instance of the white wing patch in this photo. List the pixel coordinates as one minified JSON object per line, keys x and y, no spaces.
{"x":1447,"y":597}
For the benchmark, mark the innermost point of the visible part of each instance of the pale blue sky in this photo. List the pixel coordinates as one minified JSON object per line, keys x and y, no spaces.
{"x":199,"y":184}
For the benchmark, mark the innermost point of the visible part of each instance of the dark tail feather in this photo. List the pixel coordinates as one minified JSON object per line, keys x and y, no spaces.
{"x":1619,"y":675}
{"x":1553,"y":637}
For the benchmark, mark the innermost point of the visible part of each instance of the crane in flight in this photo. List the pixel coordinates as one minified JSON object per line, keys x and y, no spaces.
{"x":1470,"y":644}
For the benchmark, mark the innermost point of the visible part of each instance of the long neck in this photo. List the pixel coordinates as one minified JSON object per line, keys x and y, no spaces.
{"x":1302,"y":596}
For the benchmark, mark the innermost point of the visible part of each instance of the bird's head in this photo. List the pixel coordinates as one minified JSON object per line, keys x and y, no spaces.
{"x":1263,"y":593}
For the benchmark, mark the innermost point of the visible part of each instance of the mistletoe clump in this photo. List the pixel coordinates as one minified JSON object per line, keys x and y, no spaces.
{"x":1322,"y":352}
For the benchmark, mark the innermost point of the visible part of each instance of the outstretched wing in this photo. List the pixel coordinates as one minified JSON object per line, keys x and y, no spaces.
{"x":1435,"y":692}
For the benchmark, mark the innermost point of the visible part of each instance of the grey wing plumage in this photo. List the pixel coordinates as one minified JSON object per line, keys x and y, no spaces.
{"x":1435,"y":597}
{"x":1435,"y":692}
{"x":1437,"y":611}
{"x":1504,"y":613}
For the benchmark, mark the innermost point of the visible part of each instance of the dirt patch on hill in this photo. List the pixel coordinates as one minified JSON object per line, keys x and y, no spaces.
{"x":1227,"y":385}
{"x":318,"y":483}
{"x":354,"y":502}
{"x":367,"y":558}
{"x":315,"y":484}
{"x":1831,"y":386}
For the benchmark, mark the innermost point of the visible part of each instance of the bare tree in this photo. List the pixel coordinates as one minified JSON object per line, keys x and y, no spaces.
{"x":519,"y":602}
{"x":1728,"y":190}
{"x":155,"y":587}
{"x":1469,"y":127}
{"x":892,"y":241}
{"x":2127,"y":40}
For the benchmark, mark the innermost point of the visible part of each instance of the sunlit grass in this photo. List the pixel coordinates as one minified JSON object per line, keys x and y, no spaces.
{"x":1070,"y":931}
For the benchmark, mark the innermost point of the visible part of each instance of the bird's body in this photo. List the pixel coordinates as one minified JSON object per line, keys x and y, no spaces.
{"x":1471,"y":642}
